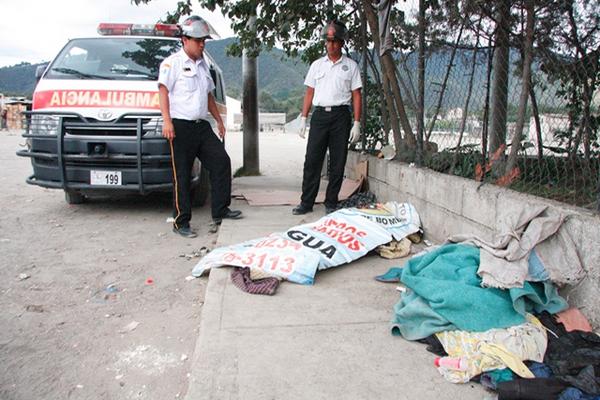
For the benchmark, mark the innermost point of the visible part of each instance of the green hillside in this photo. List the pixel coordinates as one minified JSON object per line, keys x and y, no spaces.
{"x":18,"y":80}
{"x":277,"y":76}
{"x":280,"y":80}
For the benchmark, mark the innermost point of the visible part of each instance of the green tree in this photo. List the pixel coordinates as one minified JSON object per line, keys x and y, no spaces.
{"x":296,"y":26}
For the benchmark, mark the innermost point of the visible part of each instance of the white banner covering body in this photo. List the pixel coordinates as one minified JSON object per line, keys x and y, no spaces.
{"x":295,"y":255}
{"x":339,"y":237}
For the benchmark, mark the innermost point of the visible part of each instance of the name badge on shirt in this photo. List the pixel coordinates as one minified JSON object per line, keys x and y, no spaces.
{"x":187,"y":71}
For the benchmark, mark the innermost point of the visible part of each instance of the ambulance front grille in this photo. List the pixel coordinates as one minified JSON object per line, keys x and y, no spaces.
{"x":94,"y":127}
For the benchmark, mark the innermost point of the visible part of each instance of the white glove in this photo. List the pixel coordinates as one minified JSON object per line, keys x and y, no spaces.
{"x":302,"y":128}
{"x":355,"y":132}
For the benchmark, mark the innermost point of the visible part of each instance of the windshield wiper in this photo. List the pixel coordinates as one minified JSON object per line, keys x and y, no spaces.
{"x":130,"y":71}
{"x":71,"y":71}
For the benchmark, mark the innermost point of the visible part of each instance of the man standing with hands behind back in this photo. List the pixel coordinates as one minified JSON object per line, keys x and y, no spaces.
{"x":185,"y":96}
{"x":332,"y":84}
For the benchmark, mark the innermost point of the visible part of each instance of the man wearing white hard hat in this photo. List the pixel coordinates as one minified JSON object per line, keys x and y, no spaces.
{"x":333,"y":87}
{"x":185,"y":95}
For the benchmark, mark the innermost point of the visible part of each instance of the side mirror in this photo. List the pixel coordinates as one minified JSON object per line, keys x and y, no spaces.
{"x":39,"y":71}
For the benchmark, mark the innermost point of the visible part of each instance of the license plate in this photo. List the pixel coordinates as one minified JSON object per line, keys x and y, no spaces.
{"x":106,"y":178}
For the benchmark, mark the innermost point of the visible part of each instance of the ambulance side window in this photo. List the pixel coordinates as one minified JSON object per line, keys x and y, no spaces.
{"x":218,"y":92}
{"x":220,"y":88}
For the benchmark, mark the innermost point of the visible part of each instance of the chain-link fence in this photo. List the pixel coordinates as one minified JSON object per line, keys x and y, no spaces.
{"x":524,"y":115}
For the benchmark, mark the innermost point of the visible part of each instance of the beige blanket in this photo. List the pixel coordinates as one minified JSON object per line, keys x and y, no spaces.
{"x":504,"y":261}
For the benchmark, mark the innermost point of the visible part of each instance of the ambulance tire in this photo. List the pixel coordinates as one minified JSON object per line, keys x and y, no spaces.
{"x":201,"y":190}
{"x":72,"y":197}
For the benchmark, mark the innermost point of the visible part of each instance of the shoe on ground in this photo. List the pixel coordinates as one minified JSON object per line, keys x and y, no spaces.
{"x":230,"y":214}
{"x":301,"y":209}
{"x":185,"y":231}
{"x":329,"y":210}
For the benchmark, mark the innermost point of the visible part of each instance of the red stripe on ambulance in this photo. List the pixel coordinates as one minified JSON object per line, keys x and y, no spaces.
{"x":95,"y":98}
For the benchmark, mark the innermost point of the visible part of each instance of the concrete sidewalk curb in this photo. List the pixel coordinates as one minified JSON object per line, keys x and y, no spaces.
{"x":326,"y":341}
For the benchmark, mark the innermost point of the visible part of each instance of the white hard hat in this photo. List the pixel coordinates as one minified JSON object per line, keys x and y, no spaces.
{"x":196,"y":27}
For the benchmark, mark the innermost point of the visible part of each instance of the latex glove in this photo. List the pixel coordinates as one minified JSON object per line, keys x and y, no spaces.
{"x":355,"y":132}
{"x":302,"y":128}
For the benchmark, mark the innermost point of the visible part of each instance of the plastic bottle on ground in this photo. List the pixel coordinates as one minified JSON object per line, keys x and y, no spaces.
{"x":457,"y":363}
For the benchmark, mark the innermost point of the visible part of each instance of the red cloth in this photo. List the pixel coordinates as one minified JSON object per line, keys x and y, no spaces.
{"x":573,"y":320}
{"x":241,"y":279}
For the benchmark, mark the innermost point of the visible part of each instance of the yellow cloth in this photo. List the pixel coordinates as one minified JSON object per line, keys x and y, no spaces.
{"x":494,"y":349}
{"x":499,"y":353}
{"x":256,"y":273}
{"x":394,"y":249}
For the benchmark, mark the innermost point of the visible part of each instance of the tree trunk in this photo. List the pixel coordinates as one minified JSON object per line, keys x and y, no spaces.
{"x":384,"y":111}
{"x":572,"y":116}
{"x":526,"y":82}
{"x":364,"y":78}
{"x":409,"y":88}
{"x":444,"y":84}
{"x":588,"y":82}
{"x":499,"y":105}
{"x":250,"y":114}
{"x":463,"y":121}
{"x":250,"y":108}
{"x":538,"y":124}
{"x":387,"y":103}
{"x":421,"y":102}
{"x":389,"y":72}
{"x":587,"y":129}
{"x":486,"y":108}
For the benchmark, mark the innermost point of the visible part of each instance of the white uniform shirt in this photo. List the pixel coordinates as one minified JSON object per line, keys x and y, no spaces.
{"x":188,"y":83}
{"x":333,"y":82}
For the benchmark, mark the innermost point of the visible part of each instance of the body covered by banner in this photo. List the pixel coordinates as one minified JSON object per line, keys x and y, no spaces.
{"x":338,"y":238}
{"x":296,"y":254}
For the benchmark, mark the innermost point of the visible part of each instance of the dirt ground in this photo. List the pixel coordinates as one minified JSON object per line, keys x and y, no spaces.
{"x":94,"y":297}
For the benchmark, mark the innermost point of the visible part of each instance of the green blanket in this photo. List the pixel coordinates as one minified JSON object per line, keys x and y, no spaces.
{"x":447,"y":295}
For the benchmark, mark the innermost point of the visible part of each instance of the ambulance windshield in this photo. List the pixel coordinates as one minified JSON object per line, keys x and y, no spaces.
{"x":114,"y":58}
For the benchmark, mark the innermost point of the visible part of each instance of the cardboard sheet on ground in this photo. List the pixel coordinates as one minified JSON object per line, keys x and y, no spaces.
{"x":296,"y":254}
{"x":336,"y":239}
{"x":291,"y":197}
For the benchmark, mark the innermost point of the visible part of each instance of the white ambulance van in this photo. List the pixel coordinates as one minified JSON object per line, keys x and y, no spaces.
{"x":95,"y":124}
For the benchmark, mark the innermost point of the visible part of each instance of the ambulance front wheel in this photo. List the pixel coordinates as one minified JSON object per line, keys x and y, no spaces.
{"x":73,"y":197}
{"x":201,"y":190}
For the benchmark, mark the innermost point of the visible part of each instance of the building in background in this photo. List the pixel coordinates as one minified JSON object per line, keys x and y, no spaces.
{"x":14,"y":107}
{"x":266,"y":121}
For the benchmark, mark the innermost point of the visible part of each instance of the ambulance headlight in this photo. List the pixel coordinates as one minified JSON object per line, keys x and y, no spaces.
{"x":43,"y":125}
{"x":153,"y":128}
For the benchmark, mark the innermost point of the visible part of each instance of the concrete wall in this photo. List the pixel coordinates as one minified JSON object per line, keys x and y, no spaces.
{"x":449,"y":205}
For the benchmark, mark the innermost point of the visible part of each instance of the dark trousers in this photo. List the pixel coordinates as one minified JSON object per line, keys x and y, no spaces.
{"x":197,"y":139}
{"x":328,"y":130}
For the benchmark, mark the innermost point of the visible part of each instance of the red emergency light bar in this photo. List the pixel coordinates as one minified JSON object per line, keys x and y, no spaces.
{"x":110,"y":29}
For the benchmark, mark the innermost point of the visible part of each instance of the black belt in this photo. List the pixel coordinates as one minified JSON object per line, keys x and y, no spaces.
{"x":190,"y":121}
{"x":332,"y":108}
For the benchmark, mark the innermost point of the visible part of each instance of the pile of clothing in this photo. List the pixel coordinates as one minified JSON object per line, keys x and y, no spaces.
{"x":493,"y":312}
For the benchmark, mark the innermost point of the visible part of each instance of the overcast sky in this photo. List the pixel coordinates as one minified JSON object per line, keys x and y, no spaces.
{"x":35,"y":30}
